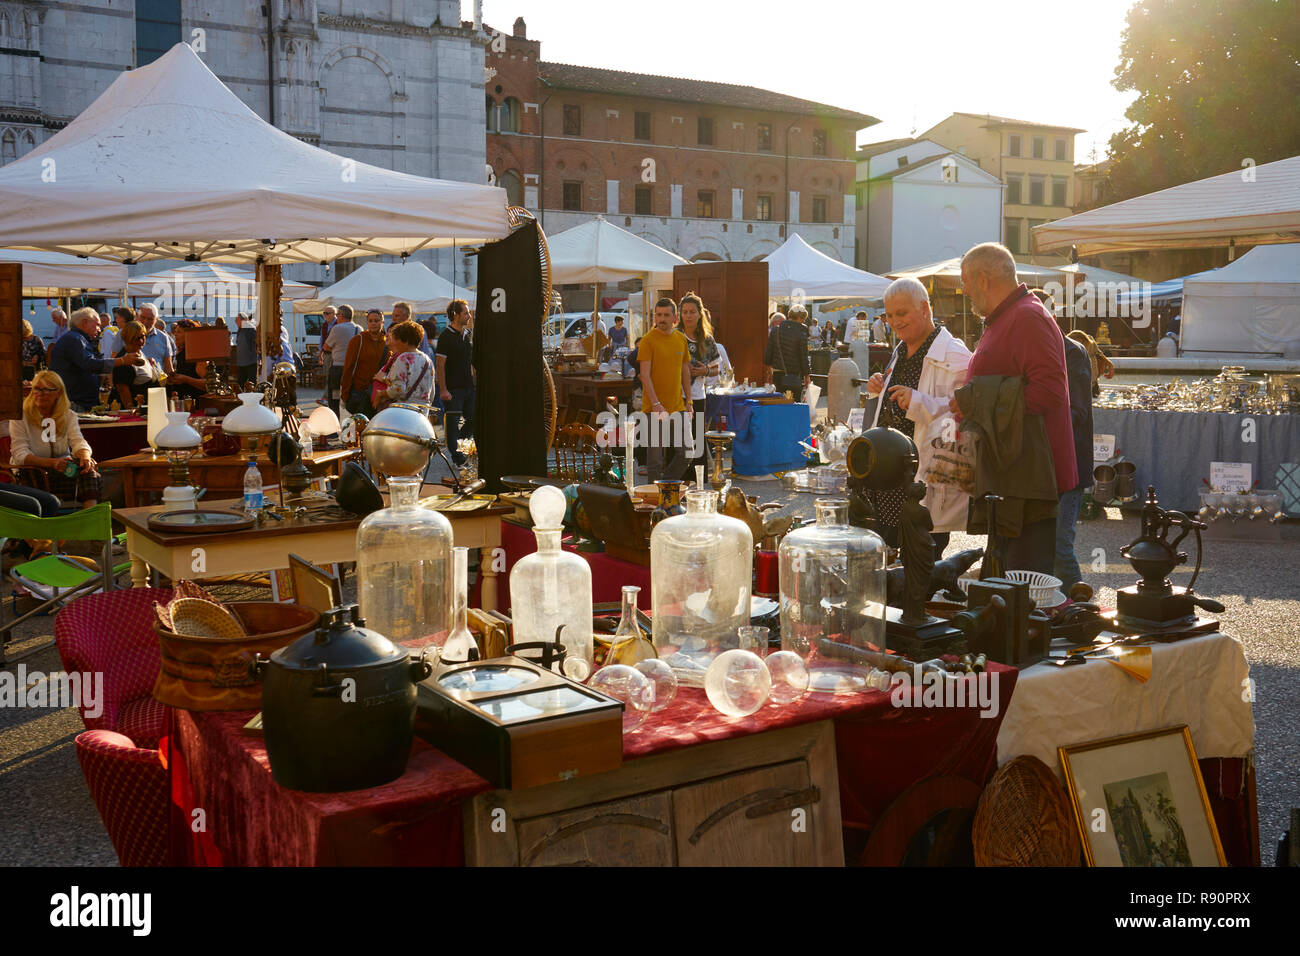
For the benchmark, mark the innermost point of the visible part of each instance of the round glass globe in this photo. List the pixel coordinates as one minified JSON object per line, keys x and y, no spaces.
{"x":789,"y":676}
{"x":576,"y":668}
{"x":665,"y":681}
{"x":629,"y":685}
{"x":547,"y":506}
{"x":737,"y":683}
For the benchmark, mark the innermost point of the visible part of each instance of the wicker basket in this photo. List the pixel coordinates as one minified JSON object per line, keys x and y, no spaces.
{"x":1025,"y":819}
{"x":212,"y":673}
{"x":195,"y":617}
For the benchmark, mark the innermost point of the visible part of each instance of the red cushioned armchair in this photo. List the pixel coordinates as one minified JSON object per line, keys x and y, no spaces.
{"x":112,"y":633}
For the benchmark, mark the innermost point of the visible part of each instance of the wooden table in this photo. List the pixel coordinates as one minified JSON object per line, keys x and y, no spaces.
{"x":222,"y":476}
{"x":113,"y":439}
{"x":267,"y":548}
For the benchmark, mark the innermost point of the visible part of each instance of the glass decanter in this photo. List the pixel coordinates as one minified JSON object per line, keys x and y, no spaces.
{"x":833,"y":590}
{"x":629,"y":643}
{"x":460,"y":646}
{"x":701,"y":570}
{"x":550,"y":590}
{"x":404,"y":568}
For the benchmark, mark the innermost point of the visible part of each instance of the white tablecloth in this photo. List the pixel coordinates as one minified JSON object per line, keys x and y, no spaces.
{"x":1200,"y":682}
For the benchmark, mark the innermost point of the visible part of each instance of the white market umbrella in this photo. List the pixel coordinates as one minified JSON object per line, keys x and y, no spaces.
{"x":1253,"y":205}
{"x":378,"y":285}
{"x":47,"y":275}
{"x":797,"y":269}
{"x":599,"y":251}
{"x":951,"y":269}
{"x":168,"y":163}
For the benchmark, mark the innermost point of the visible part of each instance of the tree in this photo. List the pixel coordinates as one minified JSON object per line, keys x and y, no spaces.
{"x":1218,"y":84}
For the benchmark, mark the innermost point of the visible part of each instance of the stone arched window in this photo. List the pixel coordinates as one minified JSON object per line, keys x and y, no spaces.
{"x":508,"y":115}
{"x":493,"y":120}
{"x":8,"y":147}
{"x":29,"y":143}
{"x":513,"y":184}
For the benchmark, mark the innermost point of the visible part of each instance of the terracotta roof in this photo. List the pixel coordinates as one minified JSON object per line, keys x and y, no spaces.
{"x":1006,"y":121}
{"x":875,"y":149}
{"x":598,"y":80}
{"x":937,"y":157}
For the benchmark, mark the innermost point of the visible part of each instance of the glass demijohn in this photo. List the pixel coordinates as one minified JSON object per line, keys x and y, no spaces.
{"x":701,"y":569}
{"x":629,"y":643}
{"x":404,"y":568}
{"x":550,"y":590}
{"x":832,"y":579}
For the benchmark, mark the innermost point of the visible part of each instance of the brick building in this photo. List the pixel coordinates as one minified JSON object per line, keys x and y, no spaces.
{"x":707,"y":170}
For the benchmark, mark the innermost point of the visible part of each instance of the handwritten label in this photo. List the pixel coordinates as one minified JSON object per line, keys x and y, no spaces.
{"x":1230,"y":475}
{"x":855,"y":418}
{"x":1103,"y":447}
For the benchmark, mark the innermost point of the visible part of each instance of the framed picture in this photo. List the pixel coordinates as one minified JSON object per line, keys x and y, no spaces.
{"x":1140,"y":801}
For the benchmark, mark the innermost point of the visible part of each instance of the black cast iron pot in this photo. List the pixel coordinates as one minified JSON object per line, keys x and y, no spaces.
{"x":338,"y":706}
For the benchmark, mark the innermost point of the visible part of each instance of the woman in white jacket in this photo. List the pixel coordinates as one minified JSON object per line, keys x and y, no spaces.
{"x":927,"y":367}
{"x":48,"y":437}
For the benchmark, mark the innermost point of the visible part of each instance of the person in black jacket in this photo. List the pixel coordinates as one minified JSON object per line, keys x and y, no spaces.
{"x":787,"y":353}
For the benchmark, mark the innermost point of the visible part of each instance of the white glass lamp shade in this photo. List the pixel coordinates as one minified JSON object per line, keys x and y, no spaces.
{"x":177,"y":433}
{"x":323,"y":421}
{"x":251,"y":417}
{"x":547,"y":506}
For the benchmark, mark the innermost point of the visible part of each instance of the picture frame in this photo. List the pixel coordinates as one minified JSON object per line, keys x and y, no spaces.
{"x":1139,"y":800}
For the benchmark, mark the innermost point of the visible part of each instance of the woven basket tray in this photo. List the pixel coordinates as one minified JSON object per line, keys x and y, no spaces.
{"x":195,"y":617}
{"x":1024,"y":818}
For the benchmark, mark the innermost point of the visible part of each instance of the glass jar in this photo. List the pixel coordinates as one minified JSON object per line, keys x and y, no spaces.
{"x":550,"y":590}
{"x":701,"y":568}
{"x":833,"y":593}
{"x":404,"y":568}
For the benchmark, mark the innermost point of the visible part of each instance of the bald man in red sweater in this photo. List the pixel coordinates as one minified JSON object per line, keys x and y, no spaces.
{"x":1021,"y":338}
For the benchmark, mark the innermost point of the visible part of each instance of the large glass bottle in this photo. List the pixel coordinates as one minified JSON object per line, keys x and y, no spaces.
{"x":833,"y":589}
{"x":550,"y":590}
{"x":629,"y":643}
{"x":701,"y":569}
{"x":404,"y":568}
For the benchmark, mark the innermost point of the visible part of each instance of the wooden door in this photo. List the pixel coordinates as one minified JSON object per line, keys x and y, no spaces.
{"x":631,"y":832}
{"x":735,"y":293}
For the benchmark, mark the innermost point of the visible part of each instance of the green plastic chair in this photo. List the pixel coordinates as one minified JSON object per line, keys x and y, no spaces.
{"x":64,"y":578}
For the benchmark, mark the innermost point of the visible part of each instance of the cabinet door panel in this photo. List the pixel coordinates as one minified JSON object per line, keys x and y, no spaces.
{"x":764,"y":817}
{"x":631,"y":832}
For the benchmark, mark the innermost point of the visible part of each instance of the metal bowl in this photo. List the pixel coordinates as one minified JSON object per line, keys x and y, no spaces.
{"x":399,"y":439}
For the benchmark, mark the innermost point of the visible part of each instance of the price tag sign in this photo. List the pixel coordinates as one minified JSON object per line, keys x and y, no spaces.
{"x":1230,"y":475}
{"x":1103,"y":447}
{"x":855,"y":418}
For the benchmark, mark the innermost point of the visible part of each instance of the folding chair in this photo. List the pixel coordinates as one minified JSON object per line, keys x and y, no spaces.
{"x":59,"y":578}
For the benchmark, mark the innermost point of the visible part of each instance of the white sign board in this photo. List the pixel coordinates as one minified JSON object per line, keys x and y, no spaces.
{"x":1103,"y":447}
{"x":855,"y":418}
{"x":1230,"y":475}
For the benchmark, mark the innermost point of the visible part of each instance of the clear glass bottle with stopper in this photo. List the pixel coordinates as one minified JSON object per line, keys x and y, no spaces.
{"x":550,"y":590}
{"x":629,"y":643}
{"x":404,"y":568}
{"x":460,"y":646}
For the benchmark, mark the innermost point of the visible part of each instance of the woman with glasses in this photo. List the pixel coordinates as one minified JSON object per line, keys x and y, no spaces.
{"x":48,"y":437}
{"x":132,"y":382}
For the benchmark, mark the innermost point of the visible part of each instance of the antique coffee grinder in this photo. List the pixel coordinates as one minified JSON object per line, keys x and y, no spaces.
{"x":1154,"y":603}
{"x":881,"y":459}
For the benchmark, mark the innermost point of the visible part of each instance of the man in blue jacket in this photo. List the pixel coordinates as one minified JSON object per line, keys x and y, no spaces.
{"x":74,"y":359}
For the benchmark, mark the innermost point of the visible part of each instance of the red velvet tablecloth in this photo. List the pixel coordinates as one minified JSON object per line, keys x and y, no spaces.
{"x":881,"y":751}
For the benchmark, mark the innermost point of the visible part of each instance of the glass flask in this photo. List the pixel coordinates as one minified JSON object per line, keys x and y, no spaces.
{"x":629,"y":643}
{"x":550,"y":590}
{"x":460,"y":646}
{"x":701,"y":569}
{"x":737,"y":683}
{"x":404,"y":569}
{"x":832,"y":578}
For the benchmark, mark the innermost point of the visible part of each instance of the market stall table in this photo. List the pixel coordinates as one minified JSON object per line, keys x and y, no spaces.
{"x":221,"y":475}
{"x":267,"y":547}
{"x":1173,"y":450}
{"x":431,"y":813}
{"x":1200,"y":681}
{"x":117,"y":439}
{"x":767,"y":435}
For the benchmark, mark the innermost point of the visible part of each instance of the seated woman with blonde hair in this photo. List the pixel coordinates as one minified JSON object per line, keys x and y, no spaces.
{"x":48,"y":437}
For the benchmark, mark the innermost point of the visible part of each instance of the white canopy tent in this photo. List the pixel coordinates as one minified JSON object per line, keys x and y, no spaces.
{"x":170,"y":164}
{"x":799,"y":270}
{"x":377,"y":285}
{"x":231,"y":286}
{"x":951,"y":269}
{"x":1253,"y":205}
{"x":47,"y":275}
{"x":1248,"y":306}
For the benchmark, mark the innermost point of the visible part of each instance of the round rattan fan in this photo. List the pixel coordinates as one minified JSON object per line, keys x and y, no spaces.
{"x":517,"y":216}
{"x":1024,"y":818}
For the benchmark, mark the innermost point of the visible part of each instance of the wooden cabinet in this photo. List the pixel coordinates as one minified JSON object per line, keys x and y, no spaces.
{"x":735,"y":293}
{"x":769,"y":799}
{"x":11,"y":340}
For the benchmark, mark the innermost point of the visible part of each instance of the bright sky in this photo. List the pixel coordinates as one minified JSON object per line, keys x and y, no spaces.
{"x":908,"y":63}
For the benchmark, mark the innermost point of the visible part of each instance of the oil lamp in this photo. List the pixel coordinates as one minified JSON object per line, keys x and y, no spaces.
{"x":179,"y":442}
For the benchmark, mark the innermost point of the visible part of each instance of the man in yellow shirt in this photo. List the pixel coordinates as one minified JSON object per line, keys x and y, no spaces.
{"x":665,"y":382}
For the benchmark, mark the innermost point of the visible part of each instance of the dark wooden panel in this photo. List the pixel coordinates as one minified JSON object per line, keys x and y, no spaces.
{"x":735,"y":293}
{"x":11,"y":338}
